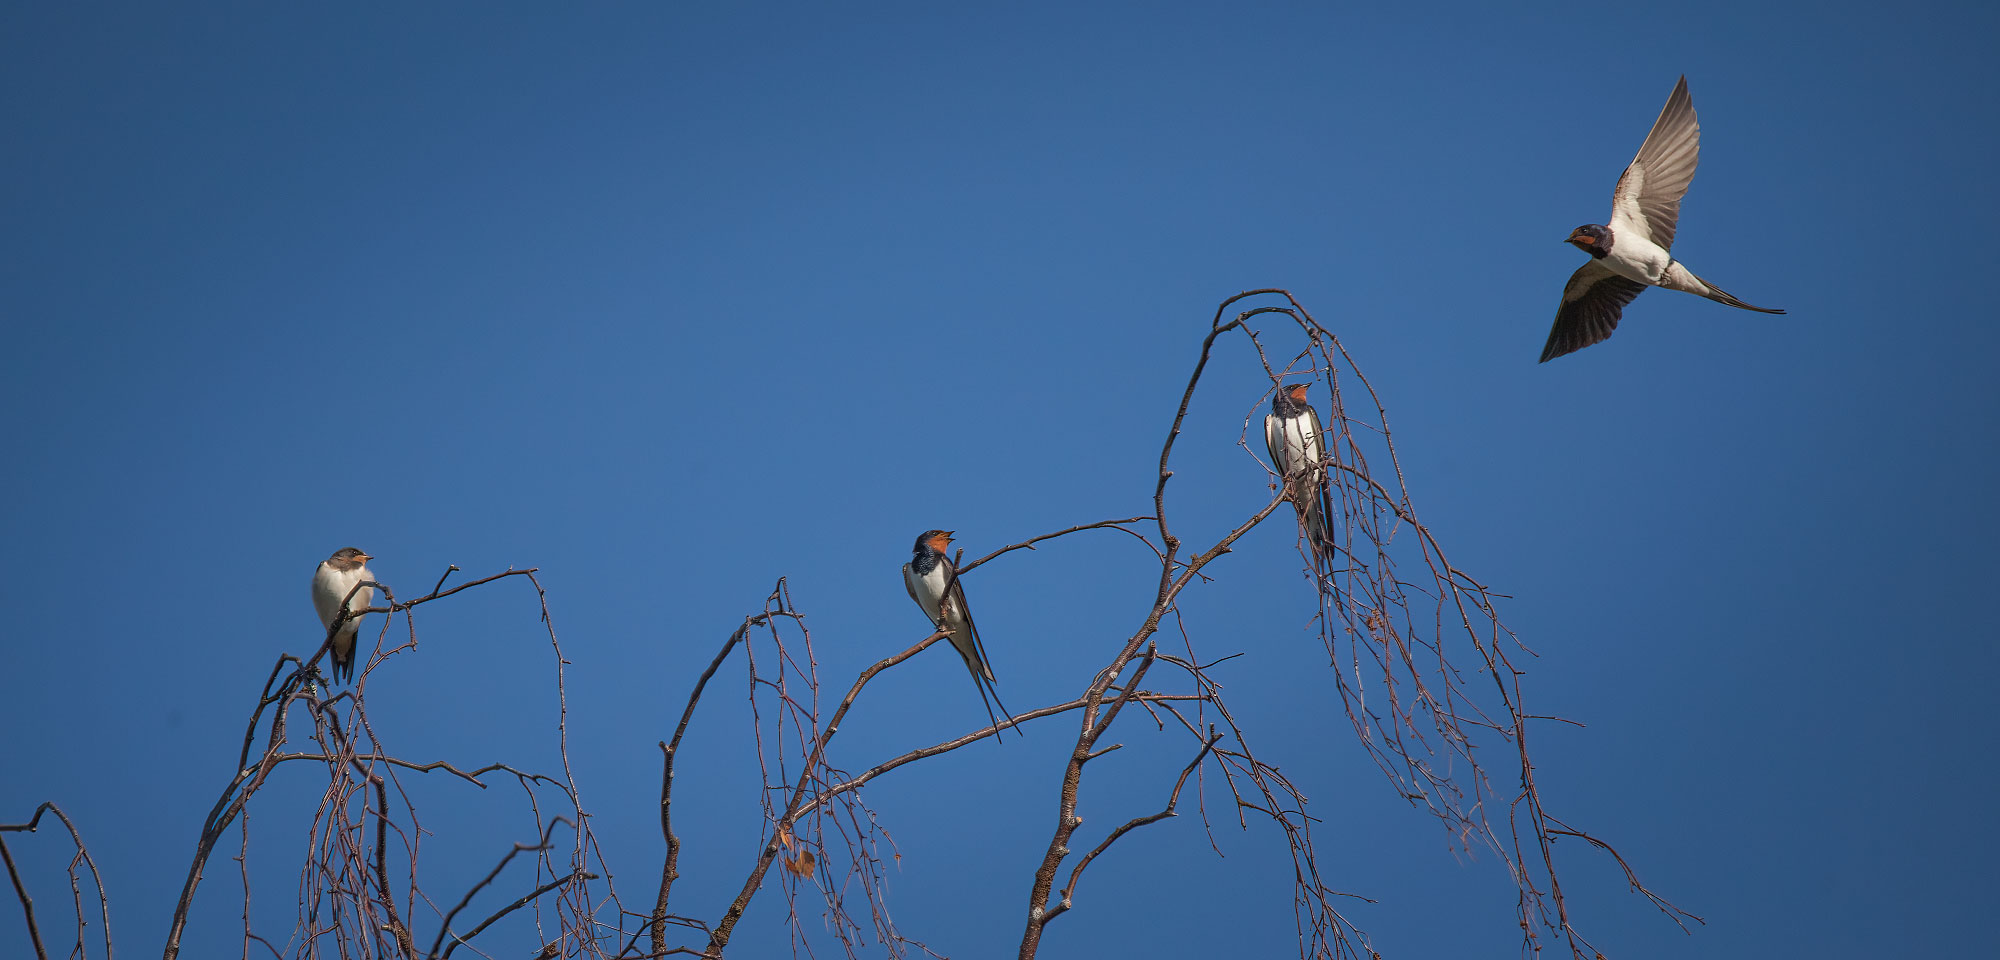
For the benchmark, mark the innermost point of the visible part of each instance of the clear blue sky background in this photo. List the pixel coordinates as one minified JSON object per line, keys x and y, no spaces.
{"x":671,"y":300}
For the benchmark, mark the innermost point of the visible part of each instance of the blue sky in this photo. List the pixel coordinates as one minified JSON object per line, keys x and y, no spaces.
{"x":672,"y":301}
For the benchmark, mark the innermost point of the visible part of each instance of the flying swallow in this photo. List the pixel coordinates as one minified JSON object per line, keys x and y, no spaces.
{"x":336,"y":575}
{"x":1297,"y":445}
{"x":1629,"y":254}
{"x":933,"y":583}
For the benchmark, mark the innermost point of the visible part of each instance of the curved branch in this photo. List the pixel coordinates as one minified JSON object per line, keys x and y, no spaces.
{"x":528,"y":898}
{"x":279,"y":689}
{"x":670,"y":870}
{"x":445,"y":926}
{"x":720,"y":937}
{"x":83,"y":854}
{"x":1030,"y":544}
{"x":1135,"y":823}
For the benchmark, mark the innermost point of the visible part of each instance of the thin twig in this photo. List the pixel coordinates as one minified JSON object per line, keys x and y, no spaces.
{"x":1029,"y":544}
{"x":516,"y":905}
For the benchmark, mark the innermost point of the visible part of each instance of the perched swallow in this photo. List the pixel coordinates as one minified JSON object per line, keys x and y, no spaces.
{"x":1630,"y":253}
{"x":1298,"y":450}
{"x":337,"y":575}
{"x":933,"y":583}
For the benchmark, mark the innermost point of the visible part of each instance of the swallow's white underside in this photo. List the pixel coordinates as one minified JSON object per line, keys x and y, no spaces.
{"x":928,"y":589}
{"x":932,"y":592}
{"x":329,"y":588}
{"x":1637,"y":258}
{"x":1295,"y":445}
{"x":1298,"y":449}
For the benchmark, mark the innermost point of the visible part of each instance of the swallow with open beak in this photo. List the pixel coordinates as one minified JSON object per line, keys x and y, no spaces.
{"x":1630,"y":254}
{"x":933,"y":583}
{"x":1297,"y":446}
{"x":337,"y":575}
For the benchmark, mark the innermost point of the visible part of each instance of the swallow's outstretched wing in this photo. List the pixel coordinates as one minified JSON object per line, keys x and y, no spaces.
{"x":1647,"y":200}
{"x":1591,"y":304}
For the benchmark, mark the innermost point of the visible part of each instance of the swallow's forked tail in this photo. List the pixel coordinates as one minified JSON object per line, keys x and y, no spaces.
{"x":1315,"y":502}
{"x":343,"y":664}
{"x":986,"y":690}
{"x":982,"y":677}
{"x":1720,"y":295}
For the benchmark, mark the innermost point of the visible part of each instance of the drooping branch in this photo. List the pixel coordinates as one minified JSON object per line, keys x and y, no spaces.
{"x":82,"y":856}
{"x":1395,"y":636}
{"x":349,"y":870}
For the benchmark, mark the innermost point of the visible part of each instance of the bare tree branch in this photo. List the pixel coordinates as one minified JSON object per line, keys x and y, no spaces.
{"x":1173,"y":798}
{"x":921,"y":753}
{"x":82,"y":855}
{"x":445,"y":927}
{"x":720,"y":937}
{"x":27,"y":902}
{"x":526,"y":899}
{"x":670,"y":870}
{"x":346,"y":890}
{"x":1029,"y":544}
